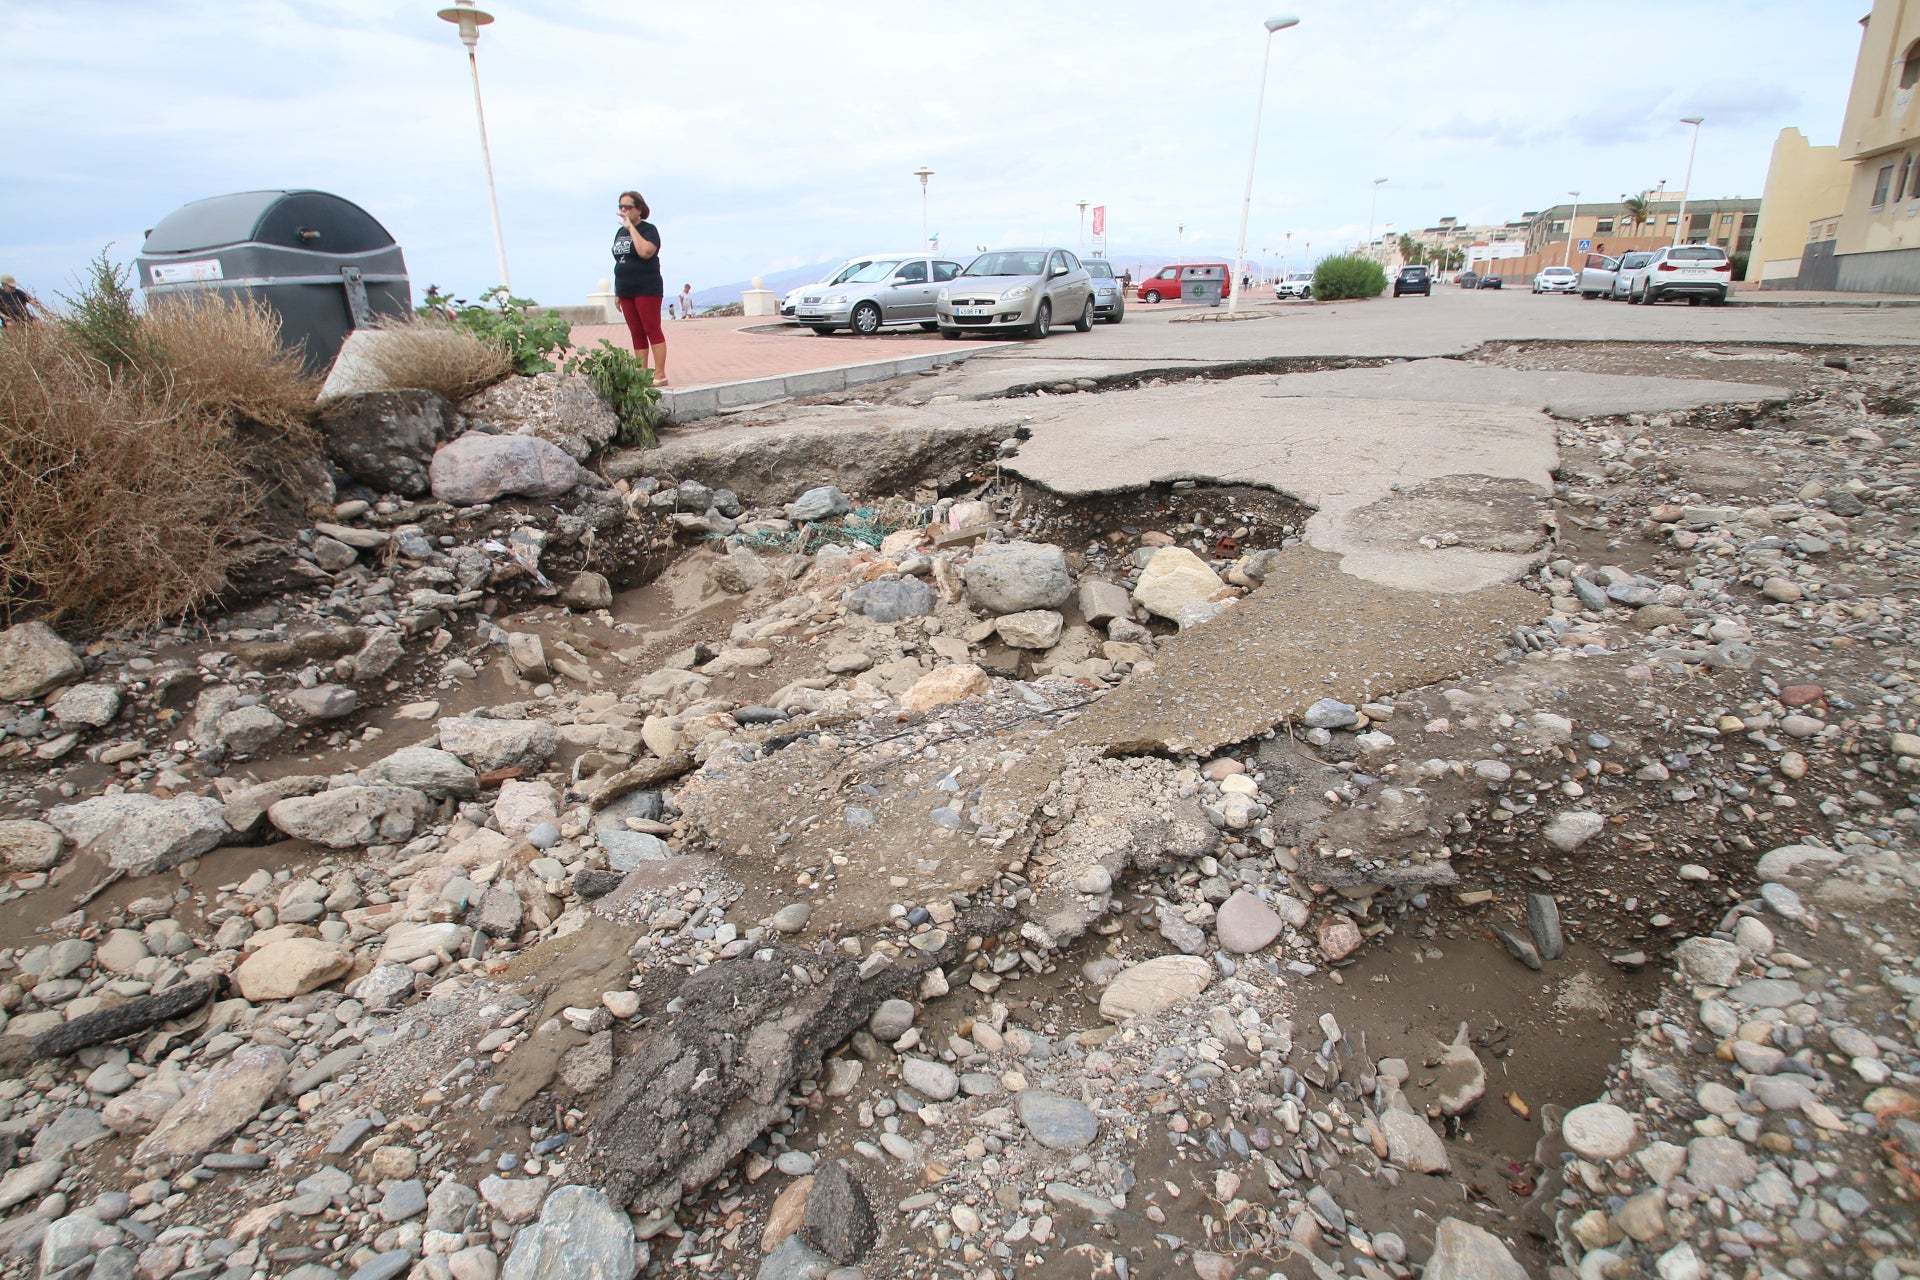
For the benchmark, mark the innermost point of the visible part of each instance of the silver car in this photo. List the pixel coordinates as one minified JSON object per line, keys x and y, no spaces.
{"x":1023,"y":290}
{"x":1109,"y":295}
{"x":790,"y":304}
{"x":887,"y":290}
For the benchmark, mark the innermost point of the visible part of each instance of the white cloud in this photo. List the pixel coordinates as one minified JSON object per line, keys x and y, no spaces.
{"x":769,"y":133}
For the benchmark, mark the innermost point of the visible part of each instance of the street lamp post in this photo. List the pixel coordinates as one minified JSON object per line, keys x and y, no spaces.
{"x":1179,"y":239}
{"x":1246,"y":203}
{"x":469,"y":19}
{"x":923,"y":173}
{"x":1570,"y":221}
{"x":1286,"y":257}
{"x":1686,"y":187}
{"x":1083,"y":228}
{"x":1373,"y":208}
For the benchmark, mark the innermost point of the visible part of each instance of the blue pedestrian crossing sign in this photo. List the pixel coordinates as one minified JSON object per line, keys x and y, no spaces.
{"x":1585,"y":245}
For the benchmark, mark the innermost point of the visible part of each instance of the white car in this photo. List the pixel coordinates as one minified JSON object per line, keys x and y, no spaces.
{"x":1556,"y":280}
{"x":1626,"y":278}
{"x":790,"y":305}
{"x":1297,"y":285}
{"x":1695,"y":272}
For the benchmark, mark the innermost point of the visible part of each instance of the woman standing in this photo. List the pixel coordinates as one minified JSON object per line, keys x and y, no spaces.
{"x":637,"y":285}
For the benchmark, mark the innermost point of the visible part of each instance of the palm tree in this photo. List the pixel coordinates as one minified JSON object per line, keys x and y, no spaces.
{"x":1636,"y":207}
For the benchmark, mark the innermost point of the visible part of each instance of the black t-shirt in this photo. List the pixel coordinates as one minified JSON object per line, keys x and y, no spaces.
{"x":633,"y":275}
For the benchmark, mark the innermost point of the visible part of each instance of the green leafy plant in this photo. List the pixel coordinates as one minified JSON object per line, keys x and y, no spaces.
{"x":625,"y":384}
{"x":102,"y":319}
{"x":1348,"y":276}
{"x":503,"y":318}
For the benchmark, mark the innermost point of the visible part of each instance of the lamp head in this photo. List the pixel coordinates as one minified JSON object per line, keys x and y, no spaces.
{"x":1691,"y":119}
{"x":1281,"y":23}
{"x":468,"y":18}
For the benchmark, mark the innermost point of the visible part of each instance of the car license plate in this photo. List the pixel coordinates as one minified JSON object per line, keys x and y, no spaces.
{"x":812,"y":313}
{"x":973,"y":311}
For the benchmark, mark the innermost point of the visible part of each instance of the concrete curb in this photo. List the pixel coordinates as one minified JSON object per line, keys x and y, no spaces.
{"x":705,"y":402}
{"x":1827,"y":302}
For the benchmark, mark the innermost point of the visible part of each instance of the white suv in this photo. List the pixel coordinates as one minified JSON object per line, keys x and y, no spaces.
{"x":1690,"y":271}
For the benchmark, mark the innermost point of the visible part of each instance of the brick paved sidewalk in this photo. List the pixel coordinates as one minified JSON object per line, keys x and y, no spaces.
{"x":707,"y":352}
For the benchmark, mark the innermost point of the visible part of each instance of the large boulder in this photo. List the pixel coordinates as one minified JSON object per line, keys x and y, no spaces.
{"x":1012,"y":577}
{"x":386,"y":439}
{"x":289,"y":967}
{"x":428,"y":769}
{"x":1174,"y":579}
{"x":350,"y":817}
{"x":561,"y":408}
{"x":141,"y":834}
{"x":581,"y":1235}
{"x":488,"y":745}
{"x":892,"y":599}
{"x":34,"y":659}
{"x":1462,"y":1251}
{"x":230,"y":1095}
{"x":480,"y":468}
{"x":26,"y":845}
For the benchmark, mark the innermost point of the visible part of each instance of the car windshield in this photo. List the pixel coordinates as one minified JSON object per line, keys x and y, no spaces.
{"x":1301,"y":275}
{"x":846,"y":272}
{"x":1413,"y":271}
{"x":1700,"y":253}
{"x":873,"y":272}
{"x":1636,"y":260}
{"x":1030,"y":263}
{"x":1098,"y":269}
{"x":1557,"y":271}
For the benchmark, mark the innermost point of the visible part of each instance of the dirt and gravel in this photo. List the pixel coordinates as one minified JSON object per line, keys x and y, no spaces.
{"x":687,"y":875}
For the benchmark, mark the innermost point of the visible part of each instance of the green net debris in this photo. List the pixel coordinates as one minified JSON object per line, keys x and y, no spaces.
{"x":864,"y":526}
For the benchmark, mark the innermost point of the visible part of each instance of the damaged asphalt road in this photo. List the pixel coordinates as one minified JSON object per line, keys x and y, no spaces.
{"x":1061,"y":852}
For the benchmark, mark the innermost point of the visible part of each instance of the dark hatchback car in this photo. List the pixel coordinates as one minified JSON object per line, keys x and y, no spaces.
{"x":1488,"y":282}
{"x":1468,"y":279}
{"x":1413,"y":280}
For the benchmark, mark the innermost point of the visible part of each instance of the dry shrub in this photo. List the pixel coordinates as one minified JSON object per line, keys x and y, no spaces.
{"x":451,"y":362}
{"x":222,"y":355}
{"x":125,"y":494}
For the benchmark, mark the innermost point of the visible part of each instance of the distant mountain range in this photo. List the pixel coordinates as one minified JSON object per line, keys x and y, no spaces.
{"x":783,"y":281}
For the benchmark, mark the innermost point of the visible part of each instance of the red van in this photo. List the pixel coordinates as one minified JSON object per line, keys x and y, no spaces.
{"x":1164,"y":284}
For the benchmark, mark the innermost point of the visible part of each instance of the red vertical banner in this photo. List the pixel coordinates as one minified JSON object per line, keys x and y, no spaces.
{"x":1099,"y":220}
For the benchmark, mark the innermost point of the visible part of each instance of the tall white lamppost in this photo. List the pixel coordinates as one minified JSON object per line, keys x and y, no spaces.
{"x":469,"y":19}
{"x":1373,"y":208}
{"x":923,"y":173}
{"x":1570,"y":221}
{"x":1246,"y":204}
{"x":1286,"y":257}
{"x":1686,"y":188}
{"x":1083,"y":228}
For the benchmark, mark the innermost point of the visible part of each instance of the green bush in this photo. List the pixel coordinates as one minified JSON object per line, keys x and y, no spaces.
{"x":102,"y":319}
{"x":500,"y":317}
{"x":624,"y":383}
{"x":1348,"y":276}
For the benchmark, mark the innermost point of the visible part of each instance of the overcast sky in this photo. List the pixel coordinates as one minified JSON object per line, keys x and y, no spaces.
{"x":770,"y":135}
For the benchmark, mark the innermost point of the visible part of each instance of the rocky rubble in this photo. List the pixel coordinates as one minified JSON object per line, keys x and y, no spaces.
{"x":500,"y":931}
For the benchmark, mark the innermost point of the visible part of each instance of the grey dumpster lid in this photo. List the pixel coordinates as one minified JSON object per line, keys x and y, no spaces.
{"x":269,"y":217}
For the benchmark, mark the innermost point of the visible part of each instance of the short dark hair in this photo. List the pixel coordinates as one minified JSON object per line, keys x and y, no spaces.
{"x":639,"y":201}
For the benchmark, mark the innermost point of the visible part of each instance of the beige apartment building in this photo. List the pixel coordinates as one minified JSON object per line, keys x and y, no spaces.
{"x":1806,"y":191}
{"x":1877,"y":249}
{"x":1610,"y":226}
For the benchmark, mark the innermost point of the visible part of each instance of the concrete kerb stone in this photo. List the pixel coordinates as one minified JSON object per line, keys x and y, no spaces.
{"x":705,"y":402}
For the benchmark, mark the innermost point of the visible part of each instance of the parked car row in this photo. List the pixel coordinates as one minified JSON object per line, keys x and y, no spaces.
{"x":1007,"y":290}
{"x":1474,"y":280}
{"x":1696,"y":272}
